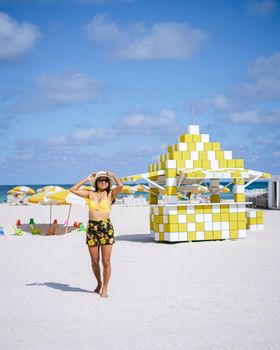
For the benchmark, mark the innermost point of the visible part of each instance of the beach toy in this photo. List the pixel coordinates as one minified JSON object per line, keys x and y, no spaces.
{"x":76,"y":224}
{"x":31,"y":221}
{"x":82,"y":227}
{"x":35,"y":230}
{"x":1,"y":230}
{"x":18,"y":223}
{"x":18,"y":231}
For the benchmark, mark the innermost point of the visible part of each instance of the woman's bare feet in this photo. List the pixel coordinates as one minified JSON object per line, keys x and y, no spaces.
{"x":104,"y":293}
{"x":98,"y":288}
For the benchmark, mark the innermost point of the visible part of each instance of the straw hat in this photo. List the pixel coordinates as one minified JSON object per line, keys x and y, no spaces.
{"x":100,"y":174}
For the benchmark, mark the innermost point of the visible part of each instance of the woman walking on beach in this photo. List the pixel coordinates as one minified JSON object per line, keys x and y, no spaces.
{"x":100,"y":231}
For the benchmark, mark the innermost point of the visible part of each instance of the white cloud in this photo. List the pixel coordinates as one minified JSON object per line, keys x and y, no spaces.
{"x":276,"y":154}
{"x":254,"y":117}
{"x":100,"y":29}
{"x":265,"y":71}
{"x":166,"y":40}
{"x":83,"y":136}
{"x":273,"y":118}
{"x":128,"y":125}
{"x":262,"y":84}
{"x":222,"y":103}
{"x":65,"y":88}
{"x":138,"y":122}
{"x":262,"y":7}
{"x":16,"y":38}
{"x":57,"y":141}
{"x":266,"y":66}
{"x":94,"y":135}
{"x":244,"y":117}
{"x":6,"y":123}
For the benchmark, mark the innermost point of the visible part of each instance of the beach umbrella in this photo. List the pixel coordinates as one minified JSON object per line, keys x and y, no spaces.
{"x":140,"y":188}
{"x":22,"y":189}
{"x":224,"y":189}
{"x":202,"y":189}
{"x":14,"y":192}
{"x":128,"y":189}
{"x":181,"y":196}
{"x":50,"y":188}
{"x":41,"y":197}
{"x":195,"y":188}
{"x":67,"y":197}
{"x":86,"y":188}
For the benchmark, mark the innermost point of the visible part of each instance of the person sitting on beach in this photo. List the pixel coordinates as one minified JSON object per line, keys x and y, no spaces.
{"x":100,"y":231}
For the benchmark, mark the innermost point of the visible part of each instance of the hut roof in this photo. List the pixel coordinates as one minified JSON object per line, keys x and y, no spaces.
{"x":194,"y":157}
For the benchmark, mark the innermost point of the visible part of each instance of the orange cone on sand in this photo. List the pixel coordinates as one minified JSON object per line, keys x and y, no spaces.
{"x":18,"y":223}
{"x":76,"y":224}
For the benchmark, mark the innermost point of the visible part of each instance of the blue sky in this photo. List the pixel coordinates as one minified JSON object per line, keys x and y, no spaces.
{"x":109,"y":84}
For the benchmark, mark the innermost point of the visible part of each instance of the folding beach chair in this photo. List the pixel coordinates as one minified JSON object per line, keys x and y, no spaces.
{"x":52,"y":229}
{"x":18,"y":231}
{"x":35,"y":230}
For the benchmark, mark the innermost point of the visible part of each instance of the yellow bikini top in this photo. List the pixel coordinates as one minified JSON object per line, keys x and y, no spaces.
{"x":103,"y":205}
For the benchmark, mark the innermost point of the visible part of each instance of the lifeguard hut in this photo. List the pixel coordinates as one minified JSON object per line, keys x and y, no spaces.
{"x":188,"y":163}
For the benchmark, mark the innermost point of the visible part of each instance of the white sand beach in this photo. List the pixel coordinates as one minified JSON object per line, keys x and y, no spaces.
{"x":199,"y":295}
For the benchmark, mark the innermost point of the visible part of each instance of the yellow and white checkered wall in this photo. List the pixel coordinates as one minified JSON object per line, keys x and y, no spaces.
{"x":255,"y":220}
{"x":198,"y":222}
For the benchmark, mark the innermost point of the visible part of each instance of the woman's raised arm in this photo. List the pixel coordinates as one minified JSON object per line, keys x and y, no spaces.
{"x":82,"y":193}
{"x":119,"y":186}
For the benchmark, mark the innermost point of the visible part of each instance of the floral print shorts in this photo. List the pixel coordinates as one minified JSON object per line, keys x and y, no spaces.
{"x":100,"y":233}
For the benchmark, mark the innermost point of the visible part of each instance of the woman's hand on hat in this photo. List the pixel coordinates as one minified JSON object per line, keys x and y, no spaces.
{"x":110,"y":174}
{"x":91,"y":176}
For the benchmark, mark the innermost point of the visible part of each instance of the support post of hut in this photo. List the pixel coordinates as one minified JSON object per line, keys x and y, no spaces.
{"x":153,"y":200}
{"x":239,"y":190}
{"x":171,"y":182}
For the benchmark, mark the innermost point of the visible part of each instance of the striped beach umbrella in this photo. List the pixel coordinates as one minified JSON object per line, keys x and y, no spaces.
{"x":196,"y":188}
{"x":224,"y":189}
{"x":50,"y":188}
{"x":140,"y":188}
{"x":86,"y":188}
{"x":41,"y":197}
{"x":67,"y":197}
{"x":21,"y":190}
{"x":202,"y":189}
{"x":15,"y":192}
{"x":128,"y":189}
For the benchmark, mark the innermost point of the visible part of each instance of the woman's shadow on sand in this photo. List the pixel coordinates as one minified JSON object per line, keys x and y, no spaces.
{"x":136,"y":238}
{"x":60,"y":286}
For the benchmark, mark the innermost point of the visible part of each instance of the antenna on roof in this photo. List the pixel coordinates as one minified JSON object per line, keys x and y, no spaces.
{"x":192,"y":115}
